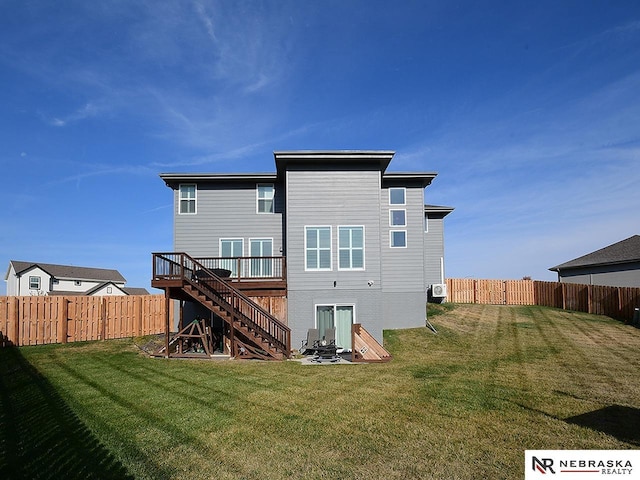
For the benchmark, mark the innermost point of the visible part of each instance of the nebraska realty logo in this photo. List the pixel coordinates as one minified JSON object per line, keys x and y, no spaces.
{"x":585,"y":464}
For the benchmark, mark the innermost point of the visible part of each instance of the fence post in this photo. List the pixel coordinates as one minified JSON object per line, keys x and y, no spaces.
{"x":589,"y":298}
{"x":103,"y":318}
{"x":63,"y":319}
{"x":14,"y":321}
{"x":619,"y":294}
{"x":475,"y":291}
{"x":140,"y":304}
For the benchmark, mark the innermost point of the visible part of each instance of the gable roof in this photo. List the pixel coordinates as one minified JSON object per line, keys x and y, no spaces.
{"x":70,"y":271}
{"x":625,"y":251}
{"x":135,"y":290}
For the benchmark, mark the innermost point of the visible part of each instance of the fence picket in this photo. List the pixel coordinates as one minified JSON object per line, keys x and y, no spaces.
{"x":616,"y":302}
{"x":58,"y":319}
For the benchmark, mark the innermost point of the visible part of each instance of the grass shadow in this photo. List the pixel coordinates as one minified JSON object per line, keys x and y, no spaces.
{"x":618,"y":421}
{"x":40,"y":436}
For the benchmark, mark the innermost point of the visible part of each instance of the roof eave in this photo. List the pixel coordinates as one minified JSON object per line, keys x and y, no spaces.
{"x":174,"y":179}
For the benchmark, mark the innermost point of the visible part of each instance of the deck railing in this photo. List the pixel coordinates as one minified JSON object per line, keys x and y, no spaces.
{"x":248,"y":268}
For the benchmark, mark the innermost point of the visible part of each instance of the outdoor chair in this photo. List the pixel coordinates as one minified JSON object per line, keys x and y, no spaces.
{"x":310,"y":345}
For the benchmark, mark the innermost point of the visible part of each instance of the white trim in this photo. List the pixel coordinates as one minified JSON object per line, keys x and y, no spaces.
{"x":335,"y":307}
{"x":39,"y":282}
{"x":404,"y":189}
{"x":259,"y":265}
{"x":391,"y":210}
{"x":195,"y":199}
{"x":351,"y":249}
{"x":273,"y":198}
{"x":306,"y":268}
{"x":262,"y":239}
{"x":406,"y":241}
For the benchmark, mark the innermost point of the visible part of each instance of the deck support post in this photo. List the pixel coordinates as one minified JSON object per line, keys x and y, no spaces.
{"x":181,"y":325}
{"x":167,"y":306}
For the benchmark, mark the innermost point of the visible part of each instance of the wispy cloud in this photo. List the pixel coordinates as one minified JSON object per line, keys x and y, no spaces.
{"x":88,"y":110}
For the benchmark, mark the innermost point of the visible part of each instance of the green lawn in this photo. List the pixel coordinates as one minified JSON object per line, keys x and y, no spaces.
{"x":464,"y":403}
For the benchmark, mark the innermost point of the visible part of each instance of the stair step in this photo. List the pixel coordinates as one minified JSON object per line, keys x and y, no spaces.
{"x":251,"y":333}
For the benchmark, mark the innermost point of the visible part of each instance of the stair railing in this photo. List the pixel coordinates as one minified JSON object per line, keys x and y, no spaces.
{"x":180,"y":266}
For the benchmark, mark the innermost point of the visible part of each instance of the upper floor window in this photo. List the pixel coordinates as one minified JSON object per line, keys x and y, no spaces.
{"x":398,"y":238}
{"x":265,"y":194}
{"x":34,"y":283}
{"x":398,"y":218}
{"x":397,"y":196}
{"x":187,"y":198}
{"x":351,"y":248}
{"x":317,"y":248}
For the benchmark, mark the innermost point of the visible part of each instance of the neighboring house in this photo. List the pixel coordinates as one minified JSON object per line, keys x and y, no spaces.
{"x":617,"y":265}
{"x":30,"y":278}
{"x":344,"y":240}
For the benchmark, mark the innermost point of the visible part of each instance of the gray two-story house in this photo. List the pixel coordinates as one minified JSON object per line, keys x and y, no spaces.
{"x":331,"y":239}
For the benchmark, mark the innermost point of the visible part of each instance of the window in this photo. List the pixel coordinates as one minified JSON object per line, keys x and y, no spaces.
{"x":398,"y":238}
{"x":265,"y":194}
{"x":398,"y":218}
{"x":340,"y":317}
{"x":187,"y":199}
{"x":351,"y":248}
{"x":397,"y":196}
{"x":261,"y":247}
{"x":317,"y":248}
{"x":34,"y":283}
{"x":109,"y":290}
{"x":230,"y":250}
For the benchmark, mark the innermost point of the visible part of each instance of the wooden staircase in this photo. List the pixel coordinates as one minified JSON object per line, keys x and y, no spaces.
{"x":253,"y":331}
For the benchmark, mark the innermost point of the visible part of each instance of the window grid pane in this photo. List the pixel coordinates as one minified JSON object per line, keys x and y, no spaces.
{"x":351,"y":247}
{"x":398,"y":218}
{"x":396,"y":196}
{"x":318,"y":248}
{"x":398,"y":238}
{"x":187,"y":199}
{"x":265,"y":198}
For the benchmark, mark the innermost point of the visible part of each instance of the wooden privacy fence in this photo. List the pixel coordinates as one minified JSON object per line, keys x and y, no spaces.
{"x":616,"y":302}
{"x":42,"y":320}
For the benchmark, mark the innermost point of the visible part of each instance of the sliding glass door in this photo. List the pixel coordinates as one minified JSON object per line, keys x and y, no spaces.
{"x":341,"y":318}
{"x":261,"y":247}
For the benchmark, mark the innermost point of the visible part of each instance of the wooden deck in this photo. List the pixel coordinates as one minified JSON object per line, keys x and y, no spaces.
{"x":252,"y":331}
{"x":253,"y":276}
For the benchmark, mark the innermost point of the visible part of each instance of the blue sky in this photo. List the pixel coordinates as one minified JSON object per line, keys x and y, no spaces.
{"x":528,"y":111}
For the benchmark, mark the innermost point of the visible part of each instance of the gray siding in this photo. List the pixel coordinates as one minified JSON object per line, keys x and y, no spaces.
{"x":433,"y":249}
{"x":301,"y":305}
{"x":624,"y":275}
{"x":226,"y":211}
{"x":402,"y":268}
{"x":332,"y":198}
{"x":404,"y":309}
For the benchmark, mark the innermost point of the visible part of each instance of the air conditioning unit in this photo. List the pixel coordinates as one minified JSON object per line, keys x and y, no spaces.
{"x":439,"y":290}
